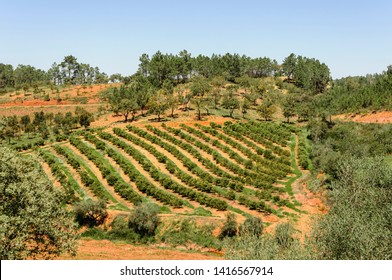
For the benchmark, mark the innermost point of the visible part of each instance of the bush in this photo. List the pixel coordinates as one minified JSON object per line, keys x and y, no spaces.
{"x":186,"y":232}
{"x":121,"y":231}
{"x":112,"y":179}
{"x":230,"y":227}
{"x":94,"y":233}
{"x":283,"y":234}
{"x":144,"y":219}
{"x":251,"y":226}
{"x":358,"y":223}
{"x":90,"y":213}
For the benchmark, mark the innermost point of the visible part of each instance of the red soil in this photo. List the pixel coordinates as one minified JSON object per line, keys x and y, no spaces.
{"x":107,"y":250}
{"x":375,"y":117}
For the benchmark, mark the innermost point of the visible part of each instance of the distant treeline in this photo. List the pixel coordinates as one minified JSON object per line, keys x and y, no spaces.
{"x":353,"y":94}
{"x":301,"y":75}
{"x":69,"y":71}
{"x":306,"y":73}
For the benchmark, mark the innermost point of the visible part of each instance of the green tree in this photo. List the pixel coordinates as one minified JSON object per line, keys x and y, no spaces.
{"x":84,"y":117}
{"x":266,"y":110}
{"x":230,"y":102}
{"x":70,"y":67}
{"x":90,"y":213}
{"x":157,"y":104}
{"x":289,"y":106}
{"x":215,"y":96}
{"x":144,"y":219}
{"x":199,"y":89}
{"x":358,"y":223}
{"x":245,"y":106}
{"x":252,"y":226}
{"x":128,"y":106}
{"x":289,"y":64}
{"x":34,"y":224}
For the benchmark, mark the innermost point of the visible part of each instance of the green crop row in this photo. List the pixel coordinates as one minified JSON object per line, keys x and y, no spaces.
{"x":63,"y":175}
{"x":107,"y":171}
{"x":87,"y":178}
{"x":188,"y":163}
{"x":163,"y":179}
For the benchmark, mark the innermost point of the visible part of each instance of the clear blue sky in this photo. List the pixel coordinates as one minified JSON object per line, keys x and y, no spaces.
{"x":351,"y":37}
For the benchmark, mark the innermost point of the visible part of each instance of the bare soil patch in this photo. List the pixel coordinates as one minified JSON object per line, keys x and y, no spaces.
{"x":374,"y":117}
{"x":107,"y":250}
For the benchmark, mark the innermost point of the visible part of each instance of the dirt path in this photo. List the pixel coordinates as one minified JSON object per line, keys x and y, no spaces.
{"x":312,"y":204}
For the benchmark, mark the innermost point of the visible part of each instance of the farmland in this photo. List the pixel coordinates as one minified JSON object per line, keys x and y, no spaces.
{"x":183,"y":168}
{"x":250,"y":164}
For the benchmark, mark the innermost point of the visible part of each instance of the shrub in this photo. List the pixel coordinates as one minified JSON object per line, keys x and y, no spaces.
{"x":186,"y":232}
{"x":230,"y":227}
{"x":251,"y":226}
{"x":112,"y":179}
{"x":121,"y":231}
{"x":144,"y":219}
{"x":90,"y":213}
{"x":283,"y":234}
{"x":94,"y":233}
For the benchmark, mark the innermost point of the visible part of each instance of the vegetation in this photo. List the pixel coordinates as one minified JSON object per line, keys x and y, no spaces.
{"x":144,"y":219}
{"x":278,"y":117}
{"x":90,"y":213}
{"x":34,"y":224}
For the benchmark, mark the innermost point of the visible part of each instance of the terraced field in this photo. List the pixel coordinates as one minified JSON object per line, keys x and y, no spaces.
{"x":245,"y":167}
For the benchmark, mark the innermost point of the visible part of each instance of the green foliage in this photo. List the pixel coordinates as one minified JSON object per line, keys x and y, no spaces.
{"x":304,"y":151}
{"x":266,"y":247}
{"x":84,"y":117}
{"x":251,"y":226}
{"x":157,"y":104}
{"x":358,"y":224}
{"x":34,"y":224}
{"x":307,"y":73}
{"x":347,"y":139}
{"x":186,"y":232}
{"x":266,"y":110}
{"x":94,"y":233}
{"x":90,"y":213}
{"x":230,"y":102}
{"x":200,"y":211}
{"x":121,"y":231}
{"x":121,"y":187}
{"x":283,"y":234}
{"x":229,"y":228}
{"x":355,"y":94}
{"x":144,"y":219}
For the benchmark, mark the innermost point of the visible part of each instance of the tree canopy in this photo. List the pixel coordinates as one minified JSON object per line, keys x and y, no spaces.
{"x":34,"y":224}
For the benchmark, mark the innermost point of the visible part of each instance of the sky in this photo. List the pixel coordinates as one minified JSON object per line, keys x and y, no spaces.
{"x":351,"y":37}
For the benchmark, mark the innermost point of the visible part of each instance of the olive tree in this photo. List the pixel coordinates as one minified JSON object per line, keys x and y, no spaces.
{"x":34,"y":223}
